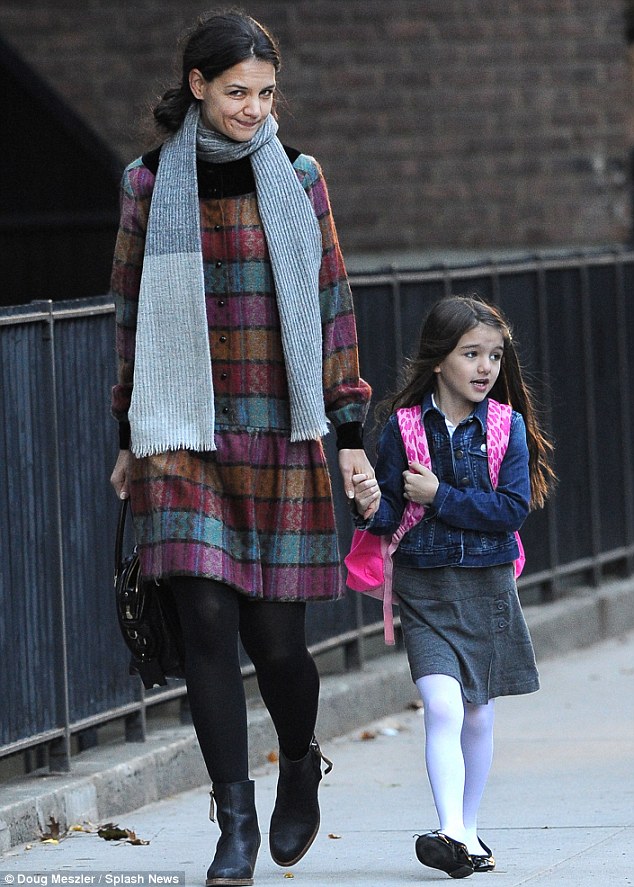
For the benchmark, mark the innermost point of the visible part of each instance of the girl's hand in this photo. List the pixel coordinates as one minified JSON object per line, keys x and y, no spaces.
{"x":420,"y":484}
{"x":120,"y":477}
{"x":367,"y":494}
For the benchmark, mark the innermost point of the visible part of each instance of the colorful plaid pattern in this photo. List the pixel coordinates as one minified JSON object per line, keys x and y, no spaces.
{"x":237,"y":516}
{"x":257,"y":513}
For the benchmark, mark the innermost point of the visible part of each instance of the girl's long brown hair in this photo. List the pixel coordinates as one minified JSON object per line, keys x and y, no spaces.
{"x":446,"y":323}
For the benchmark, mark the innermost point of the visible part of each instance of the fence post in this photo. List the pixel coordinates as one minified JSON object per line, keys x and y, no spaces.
{"x":59,"y":749}
{"x":623,"y":348}
{"x":590,"y":404}
{"x":551,"y":591}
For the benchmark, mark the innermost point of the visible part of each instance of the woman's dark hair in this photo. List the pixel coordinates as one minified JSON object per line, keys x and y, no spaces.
{"x":446,"y":323}
{"x":217,"y":42}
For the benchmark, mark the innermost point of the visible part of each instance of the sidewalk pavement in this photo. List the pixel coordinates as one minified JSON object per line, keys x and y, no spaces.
{"x":559,"y":808}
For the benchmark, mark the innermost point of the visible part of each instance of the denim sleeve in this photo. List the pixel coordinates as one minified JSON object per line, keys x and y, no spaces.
{"x":390,"y":465}
{"x":502,"y":510}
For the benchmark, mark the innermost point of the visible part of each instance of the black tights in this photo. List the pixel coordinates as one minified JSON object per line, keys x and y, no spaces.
{"x":212,"y":616}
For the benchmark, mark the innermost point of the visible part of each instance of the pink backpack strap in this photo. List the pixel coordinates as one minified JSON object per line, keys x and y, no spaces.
{"x":498,"y":433}
{"x":499,"y":416}
{"x":410,"y":425}
{"x":416,"y":449}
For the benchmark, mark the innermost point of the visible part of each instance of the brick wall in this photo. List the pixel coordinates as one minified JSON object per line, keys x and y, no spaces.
{"x":439,"y":123}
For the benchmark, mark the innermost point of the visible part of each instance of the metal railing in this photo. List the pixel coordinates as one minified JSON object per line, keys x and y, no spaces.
{"x":62,"y":662}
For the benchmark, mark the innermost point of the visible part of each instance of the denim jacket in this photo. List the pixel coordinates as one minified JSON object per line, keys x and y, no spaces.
{"x":468,"y":524}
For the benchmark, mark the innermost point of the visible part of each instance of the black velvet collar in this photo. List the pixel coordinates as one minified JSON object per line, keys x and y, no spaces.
{"x":220,"y":179}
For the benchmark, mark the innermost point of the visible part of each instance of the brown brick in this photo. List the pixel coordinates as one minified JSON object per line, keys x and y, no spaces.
{"x":435,"y":126}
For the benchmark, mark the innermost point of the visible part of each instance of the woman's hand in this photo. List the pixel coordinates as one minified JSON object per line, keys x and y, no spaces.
{"x":355,"y":462}
{"x":367,"y":494}
{"x":419,"y":484}
{"x":121,"y":473}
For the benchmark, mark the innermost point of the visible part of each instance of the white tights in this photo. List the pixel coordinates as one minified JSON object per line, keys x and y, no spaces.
{"x":458,"y":755}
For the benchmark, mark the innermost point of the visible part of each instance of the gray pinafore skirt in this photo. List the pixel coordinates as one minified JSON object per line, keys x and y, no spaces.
{"x":467,"y":622}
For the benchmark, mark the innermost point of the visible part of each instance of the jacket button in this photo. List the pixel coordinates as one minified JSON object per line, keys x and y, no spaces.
{"x":223,"y":338}
{"x":221,"y":303}
{"x":464,"y":481}
{"x":225,"y":410}
{"x":218,"y":264}
{"x":224,"y":376}
{"x":459,"y":454}
{"x":217,"y":227}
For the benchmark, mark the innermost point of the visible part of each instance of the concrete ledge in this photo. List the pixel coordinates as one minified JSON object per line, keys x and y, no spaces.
{"x":109,"y":781}
{"x":592,"y":615}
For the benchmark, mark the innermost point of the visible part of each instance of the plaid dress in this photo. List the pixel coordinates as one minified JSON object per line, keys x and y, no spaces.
{"x":256,"y":513}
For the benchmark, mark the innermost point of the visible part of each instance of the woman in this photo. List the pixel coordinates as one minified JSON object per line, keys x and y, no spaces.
{"x":237,"y":342}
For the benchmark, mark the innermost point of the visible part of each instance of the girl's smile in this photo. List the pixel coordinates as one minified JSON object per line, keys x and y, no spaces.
{"x":469,"y":372}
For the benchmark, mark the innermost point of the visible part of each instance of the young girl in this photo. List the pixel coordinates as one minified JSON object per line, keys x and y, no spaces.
{"x":466,"y":638}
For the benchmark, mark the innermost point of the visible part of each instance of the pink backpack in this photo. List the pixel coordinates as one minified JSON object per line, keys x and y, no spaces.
{"x":369,"y":562}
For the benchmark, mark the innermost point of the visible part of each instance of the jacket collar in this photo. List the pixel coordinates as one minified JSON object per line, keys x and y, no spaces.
{"x":479,"y":412}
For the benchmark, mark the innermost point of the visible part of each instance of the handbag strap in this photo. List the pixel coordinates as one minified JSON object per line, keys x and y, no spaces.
{"x":118,"y":544}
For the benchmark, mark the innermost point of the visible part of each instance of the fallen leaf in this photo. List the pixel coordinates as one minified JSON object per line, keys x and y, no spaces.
{"x":289,"y":875}
{"x":367,"y":734}
{"x":111,"y":832}
{"x":54,"y":831}
{"x":334,"y":837}
{"x":138,"y":842}
{"x":272,"y":757}
{"x":417,"y":704}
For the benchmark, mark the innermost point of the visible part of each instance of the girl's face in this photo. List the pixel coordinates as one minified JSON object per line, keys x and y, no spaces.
{"x":237,"y":102}
{"x":469,"y":372}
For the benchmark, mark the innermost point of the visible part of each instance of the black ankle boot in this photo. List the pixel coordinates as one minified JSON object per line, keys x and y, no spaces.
{"x":295,"y":819}
{"x":239,"y":842}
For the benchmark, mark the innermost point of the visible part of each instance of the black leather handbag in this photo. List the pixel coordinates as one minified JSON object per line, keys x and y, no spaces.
{"x":147,"y":616}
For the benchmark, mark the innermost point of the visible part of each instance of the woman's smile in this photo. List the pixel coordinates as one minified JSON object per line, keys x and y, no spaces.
{"x":238,"y":101}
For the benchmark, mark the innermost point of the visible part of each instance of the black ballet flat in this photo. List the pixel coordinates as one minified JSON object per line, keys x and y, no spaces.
{"x":439,"y":851}
{"x":483,"y":862}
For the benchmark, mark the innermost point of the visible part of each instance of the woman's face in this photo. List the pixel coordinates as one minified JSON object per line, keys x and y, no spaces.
{"x":237,"y":102}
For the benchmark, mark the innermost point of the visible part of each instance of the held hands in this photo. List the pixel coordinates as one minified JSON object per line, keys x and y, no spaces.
{"x":419,"y":484}
{"x":367,"y":494}
{"x":356,"y":469}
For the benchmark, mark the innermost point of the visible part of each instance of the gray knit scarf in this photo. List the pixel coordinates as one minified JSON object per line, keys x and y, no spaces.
{"x":173,"y":400}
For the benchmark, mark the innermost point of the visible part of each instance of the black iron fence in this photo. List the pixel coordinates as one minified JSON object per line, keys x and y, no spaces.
{"x":62,"y":663}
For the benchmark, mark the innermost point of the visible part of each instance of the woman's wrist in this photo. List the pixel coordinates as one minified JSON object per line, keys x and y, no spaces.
{"x":350,"y":436}
{"x":124,"y":435}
